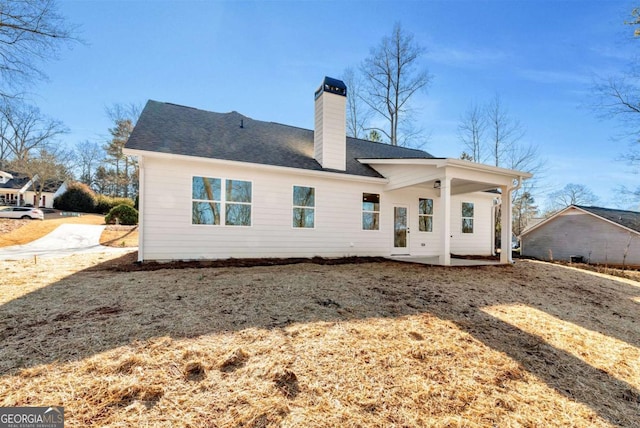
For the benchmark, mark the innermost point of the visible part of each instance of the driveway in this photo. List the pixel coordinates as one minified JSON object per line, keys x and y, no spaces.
{"x":65,"y":240}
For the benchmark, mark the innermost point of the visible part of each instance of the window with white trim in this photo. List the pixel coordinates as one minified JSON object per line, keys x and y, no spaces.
{"x":425,"y":214}
{"x":370,"y":211}
{"x":304,"y":207}
{"x":467,"y":217}
{"x":217,"y":201}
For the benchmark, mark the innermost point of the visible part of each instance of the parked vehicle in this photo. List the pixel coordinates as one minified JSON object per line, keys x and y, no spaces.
{"x":21,"y":212}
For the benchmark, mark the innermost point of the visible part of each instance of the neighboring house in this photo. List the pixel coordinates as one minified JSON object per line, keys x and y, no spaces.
{"x":17,"y":189}
{"x":222,"y":185}
{"x":593,"y":234}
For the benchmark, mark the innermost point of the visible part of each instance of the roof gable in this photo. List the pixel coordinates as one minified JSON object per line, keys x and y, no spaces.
{"x":174,"y":129}
{"x":16,"y":182}
{"x":627,"y":219}
{"x":19,"y":181}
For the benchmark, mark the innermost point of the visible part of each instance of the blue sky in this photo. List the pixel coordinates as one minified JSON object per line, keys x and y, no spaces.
{"x":265,"y":59}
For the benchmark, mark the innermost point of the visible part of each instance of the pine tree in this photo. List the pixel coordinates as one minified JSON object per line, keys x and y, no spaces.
{"x":124,"y":166}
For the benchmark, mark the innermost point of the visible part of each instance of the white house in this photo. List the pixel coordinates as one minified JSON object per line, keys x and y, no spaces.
{"x":221,"y":185}
{"x":18,"y":189}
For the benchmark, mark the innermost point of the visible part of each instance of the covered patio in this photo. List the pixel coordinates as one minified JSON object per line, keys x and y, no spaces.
{"x":455,"y":177}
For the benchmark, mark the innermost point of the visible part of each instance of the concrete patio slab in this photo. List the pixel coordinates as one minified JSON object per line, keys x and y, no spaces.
{"x":434,"y":261}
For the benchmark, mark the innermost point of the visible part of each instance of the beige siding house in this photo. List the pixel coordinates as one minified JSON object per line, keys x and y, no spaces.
{"x":221,"y":185}
{"x":591,"y":234}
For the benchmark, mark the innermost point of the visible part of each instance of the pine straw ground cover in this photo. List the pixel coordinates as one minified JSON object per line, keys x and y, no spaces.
{"x":372,"y":344}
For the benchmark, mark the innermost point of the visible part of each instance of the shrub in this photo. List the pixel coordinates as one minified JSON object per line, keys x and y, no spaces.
{"x":104,"y":203}
{"x":122,"y":214}
{"x":78,"y":197}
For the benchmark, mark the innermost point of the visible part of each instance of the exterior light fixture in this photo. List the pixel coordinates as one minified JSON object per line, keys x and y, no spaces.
{"x":436,"y":184}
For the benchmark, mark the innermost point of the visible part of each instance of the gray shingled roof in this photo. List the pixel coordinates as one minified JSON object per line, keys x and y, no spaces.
{"x":173,"y":129}
{"x":20,"y":180}
{"x":16,"y":183}
{"x":628,"y":219}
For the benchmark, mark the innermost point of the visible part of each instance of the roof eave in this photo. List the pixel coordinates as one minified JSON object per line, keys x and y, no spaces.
{"x":445,"y":162}
{"x":309,"y":172}
{"x":561,"y":212}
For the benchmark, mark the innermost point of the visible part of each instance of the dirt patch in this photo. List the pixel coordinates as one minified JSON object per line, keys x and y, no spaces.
{"x":374,"y":343}
{"x":9,"y":225}
{"x":129,"y":263}
{"x":120,"y":236}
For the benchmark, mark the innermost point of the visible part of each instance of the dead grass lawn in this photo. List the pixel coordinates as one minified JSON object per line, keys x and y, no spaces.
{"x":120,"y":236}
{"x":377,"y":344}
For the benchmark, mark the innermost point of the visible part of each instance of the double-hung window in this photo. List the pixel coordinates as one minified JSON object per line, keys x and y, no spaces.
{"x":467,"y":217}
{"x":304,"y":207}
{"x":425,"y":215}
{"x":218,"y":201}
{"x":370,"y":211}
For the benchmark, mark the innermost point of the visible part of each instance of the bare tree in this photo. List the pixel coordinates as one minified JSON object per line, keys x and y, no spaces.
{"x":571,"y":194}
{"x":496,"y":137}
{"x":471,"y":131}
{"x":618,"y":98}
{"x":118,"y":111}
{"x":88,"y":155}
{"x":358,"y":114}
{"x":31,"y":31}
{"x":392,"y":75}
{"x":504,"y":131}
{"x":490,"y":134}
{"x":524,"y":209}
{"x":25,"y":128}
{"x":5,"y":151}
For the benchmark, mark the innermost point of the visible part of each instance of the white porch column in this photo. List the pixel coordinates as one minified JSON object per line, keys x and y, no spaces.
{"x":505,"y":222}
{"x":445,"y":221}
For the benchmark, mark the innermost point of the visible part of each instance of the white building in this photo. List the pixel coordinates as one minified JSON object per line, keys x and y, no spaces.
{"x":18,"y":189}
{"x":221,"y":185}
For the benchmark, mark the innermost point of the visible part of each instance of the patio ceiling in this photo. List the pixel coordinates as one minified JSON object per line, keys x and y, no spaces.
{"x":466,"y":177}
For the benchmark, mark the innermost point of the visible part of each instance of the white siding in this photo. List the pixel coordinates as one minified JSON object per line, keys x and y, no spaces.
{"x":48,"y":199}
{"x":330,"y":135}
{"x":480,"y":241}
{"x":169,"y":234}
